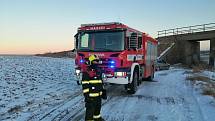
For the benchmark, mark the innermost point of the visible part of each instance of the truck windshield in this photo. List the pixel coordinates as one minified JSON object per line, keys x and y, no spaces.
{"x":101,"y":41}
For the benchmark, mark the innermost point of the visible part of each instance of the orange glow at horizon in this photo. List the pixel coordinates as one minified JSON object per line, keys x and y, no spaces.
{"x":35,"y":41}
{"x":34,"y":48}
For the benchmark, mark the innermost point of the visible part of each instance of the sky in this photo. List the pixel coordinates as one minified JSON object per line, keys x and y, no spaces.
{"x":40,"y":26}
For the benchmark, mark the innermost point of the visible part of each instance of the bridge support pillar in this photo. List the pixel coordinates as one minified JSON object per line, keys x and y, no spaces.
{"x":191,"y":52}
{"x":196,"y":52}
{"x":212,"y":52}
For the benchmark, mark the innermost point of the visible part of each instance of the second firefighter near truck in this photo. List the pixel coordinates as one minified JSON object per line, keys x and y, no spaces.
{"x":93,"y":89}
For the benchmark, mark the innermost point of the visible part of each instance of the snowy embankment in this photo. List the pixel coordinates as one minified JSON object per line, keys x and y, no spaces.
{"x":35,"y":88}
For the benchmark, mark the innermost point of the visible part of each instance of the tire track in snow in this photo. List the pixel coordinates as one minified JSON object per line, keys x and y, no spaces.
{"x":63,"y":108}
{"x":191,"y":106}
{"x":159,"y":100}
{"x":71,"y":111}
{"x":55,"y":109}
{"x":117,"y":99}
{"x":75,"y":111}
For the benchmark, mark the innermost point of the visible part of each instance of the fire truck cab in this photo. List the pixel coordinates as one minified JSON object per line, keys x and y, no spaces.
{"x":127,"y":56}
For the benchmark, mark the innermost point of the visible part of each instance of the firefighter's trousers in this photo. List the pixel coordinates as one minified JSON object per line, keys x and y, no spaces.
{"x":93,"y":108}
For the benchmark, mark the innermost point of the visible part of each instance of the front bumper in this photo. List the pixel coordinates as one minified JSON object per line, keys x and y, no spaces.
{"x":106,"y":78}
{"x":118,"y":80}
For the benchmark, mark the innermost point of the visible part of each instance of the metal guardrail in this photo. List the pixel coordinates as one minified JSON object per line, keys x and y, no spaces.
{"x":187,"y":30}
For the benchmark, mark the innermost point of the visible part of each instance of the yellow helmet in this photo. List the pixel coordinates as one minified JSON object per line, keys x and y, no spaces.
{"x":92,"y":58}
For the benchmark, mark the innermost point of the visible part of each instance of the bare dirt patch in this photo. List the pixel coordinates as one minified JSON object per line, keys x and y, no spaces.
{"x":209,"y":91}
{"x":206,"y":83}
{"x":198,"y":78}
{"x":15,"y":109}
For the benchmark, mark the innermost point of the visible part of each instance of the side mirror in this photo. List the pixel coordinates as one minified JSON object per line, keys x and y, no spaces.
{"x":76,"y":38}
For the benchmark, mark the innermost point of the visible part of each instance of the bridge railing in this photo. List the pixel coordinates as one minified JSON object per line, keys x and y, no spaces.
{"x":187,"y":30}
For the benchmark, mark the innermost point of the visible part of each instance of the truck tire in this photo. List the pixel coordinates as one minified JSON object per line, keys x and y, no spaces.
{"x":133,"y":85}
{"x":138,"y":80}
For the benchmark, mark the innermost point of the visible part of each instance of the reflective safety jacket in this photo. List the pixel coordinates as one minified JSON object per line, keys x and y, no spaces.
{"x":92,"y":85}
{"x":92,"y":88}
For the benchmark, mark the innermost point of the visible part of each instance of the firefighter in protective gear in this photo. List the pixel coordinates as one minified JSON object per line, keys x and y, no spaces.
{"x":93,"y":90}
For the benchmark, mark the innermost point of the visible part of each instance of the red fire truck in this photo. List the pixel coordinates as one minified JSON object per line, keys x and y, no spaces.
{"x":127,"y":56}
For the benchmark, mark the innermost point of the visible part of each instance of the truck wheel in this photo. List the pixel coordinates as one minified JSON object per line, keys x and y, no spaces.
{"x":126,"y":86}
{"x":133,"y":85}
{"x":139,"y":81}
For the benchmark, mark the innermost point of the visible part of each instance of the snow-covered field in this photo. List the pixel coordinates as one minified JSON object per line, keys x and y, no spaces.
{"x":36,"y":88}
{"x":33,"y":84}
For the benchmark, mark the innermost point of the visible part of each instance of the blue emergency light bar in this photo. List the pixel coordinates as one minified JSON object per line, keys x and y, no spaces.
{"x":81,"y":61}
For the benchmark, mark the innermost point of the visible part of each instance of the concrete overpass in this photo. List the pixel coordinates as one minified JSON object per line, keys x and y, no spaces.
{"x":186,"y":49}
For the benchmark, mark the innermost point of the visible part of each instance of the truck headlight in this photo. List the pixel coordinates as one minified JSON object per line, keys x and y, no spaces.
{"x":120,"y":74}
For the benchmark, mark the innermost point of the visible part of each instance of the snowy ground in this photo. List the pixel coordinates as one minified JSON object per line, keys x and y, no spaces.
{"x":34,"y":84}
{"x":35,"y":88}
